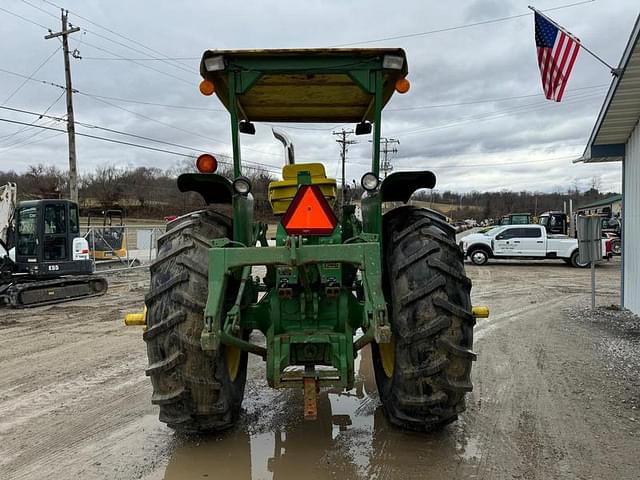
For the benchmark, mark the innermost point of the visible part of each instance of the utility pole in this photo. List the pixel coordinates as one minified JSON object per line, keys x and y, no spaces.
{"x":343,"y":155}
{"x":386,"y":164}
{"x":71,"y":128}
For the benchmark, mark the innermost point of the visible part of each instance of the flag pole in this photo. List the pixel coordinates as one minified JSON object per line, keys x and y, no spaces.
{"x":614,"y":71}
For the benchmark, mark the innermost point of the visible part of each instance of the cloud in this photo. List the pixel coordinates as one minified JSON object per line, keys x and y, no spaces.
{"x":485,"y":62}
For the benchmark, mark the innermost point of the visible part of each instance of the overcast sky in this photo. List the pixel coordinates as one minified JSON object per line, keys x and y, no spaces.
{"x":455,"y":120}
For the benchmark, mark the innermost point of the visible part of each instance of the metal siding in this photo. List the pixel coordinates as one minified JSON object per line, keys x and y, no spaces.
{"x":621,"y":109}
{"x":631,"y":229}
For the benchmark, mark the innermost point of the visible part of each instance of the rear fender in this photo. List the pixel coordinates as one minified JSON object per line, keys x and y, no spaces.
{"x":213,"y":188}
{"x":399,"y":186}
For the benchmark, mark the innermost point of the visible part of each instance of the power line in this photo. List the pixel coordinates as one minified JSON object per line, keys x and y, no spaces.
{"x":33,"y":142}
{"x":488,"y":100}
{"x":30,"y":77}
{"x":113,"y":32}
{"x":140,"y":102}
{"x":26,"y":140}
{"x":506,"y":164}
{"x":126,"y":100}
{"x":96,"y":137}
{"x":109,"y":40}
{"x":148,"y":67}
{"x":101,"y":99}
{"x":41,"y":115}
{"x":147,"y":59}
{"x":140,"y":137}
{"x":173,"y":126}
{"x":45,"y":82}
{"x":180,"y":67}
{"x":153,"y":119}
{"x":46,"y":12}
{"x":25,"y":19}
{"x":485,"y":165}
{"x":457,"y":27}
{"x":164,"y":105}
{"x":482,"y":117}
{"x":498,"y":114}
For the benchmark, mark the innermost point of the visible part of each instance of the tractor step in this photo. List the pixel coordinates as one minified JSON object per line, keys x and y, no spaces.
{"x":311,"y":388}
{"x":324,"y":376}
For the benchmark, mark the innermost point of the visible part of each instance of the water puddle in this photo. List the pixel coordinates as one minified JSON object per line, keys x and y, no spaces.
{"x":351,"y":439}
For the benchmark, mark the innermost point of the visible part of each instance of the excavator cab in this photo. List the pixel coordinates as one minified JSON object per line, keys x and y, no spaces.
{"x":43,"y":258}
{"x":107,"y":241}
{"x":48,"y":241}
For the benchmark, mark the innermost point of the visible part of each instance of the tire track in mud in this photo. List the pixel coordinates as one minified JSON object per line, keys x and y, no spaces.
{"x":72,"y":377}
{"x":539,"y":409}
{"x":54,"y":449}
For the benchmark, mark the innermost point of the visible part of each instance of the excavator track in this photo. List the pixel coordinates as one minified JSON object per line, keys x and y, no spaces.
{"x":35,"y":293}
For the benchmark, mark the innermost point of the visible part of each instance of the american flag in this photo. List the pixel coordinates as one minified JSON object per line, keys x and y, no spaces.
{"x":557,"y":52}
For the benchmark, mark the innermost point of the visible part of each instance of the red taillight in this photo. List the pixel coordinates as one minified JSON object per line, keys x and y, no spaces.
{"x":206,"y":163}
{"x":309,"y":213}
{"x":607,"y":246}
{"x":84,"y":250}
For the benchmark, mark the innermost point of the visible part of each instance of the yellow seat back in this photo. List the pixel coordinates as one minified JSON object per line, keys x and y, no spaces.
{"x":290,"y":172}
{"x":281,"y":192}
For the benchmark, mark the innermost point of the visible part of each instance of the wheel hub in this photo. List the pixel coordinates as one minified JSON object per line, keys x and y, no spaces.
{"x":478,"y":257}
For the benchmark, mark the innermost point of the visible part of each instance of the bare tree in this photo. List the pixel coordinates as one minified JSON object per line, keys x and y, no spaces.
{"x":43,"y":182}
{"x":105,"y":185}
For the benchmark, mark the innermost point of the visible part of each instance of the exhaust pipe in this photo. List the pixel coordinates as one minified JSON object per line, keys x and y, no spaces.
{"x":288,"y":145}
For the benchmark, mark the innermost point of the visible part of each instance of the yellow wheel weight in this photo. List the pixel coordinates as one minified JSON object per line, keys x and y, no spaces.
{"x":388,"y":356}
{"x":232,"y":356}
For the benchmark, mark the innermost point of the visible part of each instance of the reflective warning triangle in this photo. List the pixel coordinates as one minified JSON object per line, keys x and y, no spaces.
{"x":309,"y":213}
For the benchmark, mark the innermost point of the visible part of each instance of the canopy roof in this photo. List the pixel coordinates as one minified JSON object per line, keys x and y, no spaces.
{"x":304,"y":85}
{"x":620,"y":112}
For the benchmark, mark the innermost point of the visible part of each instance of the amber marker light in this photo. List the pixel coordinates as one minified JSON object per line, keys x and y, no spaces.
{"x":207,"y":87}
{"x":206,"y":163}
{"x":402,"y":85}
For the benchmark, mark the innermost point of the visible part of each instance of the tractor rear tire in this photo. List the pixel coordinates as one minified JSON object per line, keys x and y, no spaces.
{"x":194,"y":390}
{"x":423,"y":381}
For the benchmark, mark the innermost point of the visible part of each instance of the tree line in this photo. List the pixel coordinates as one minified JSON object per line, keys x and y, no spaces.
{"x":485,"y":205}
{"x":149,"y":192}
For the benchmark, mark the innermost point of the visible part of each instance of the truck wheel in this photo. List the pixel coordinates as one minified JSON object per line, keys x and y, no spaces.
{"x":575,"y":260}
{"x":616,"y":246}
{"x":424,"y":373}
{"x":479,"y":256}
{"x":196,"y":391}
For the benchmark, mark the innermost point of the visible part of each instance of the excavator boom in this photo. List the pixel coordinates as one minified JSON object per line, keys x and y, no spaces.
{"x":8,"y":194}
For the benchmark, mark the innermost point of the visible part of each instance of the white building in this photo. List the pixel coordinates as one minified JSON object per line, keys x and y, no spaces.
{"x":616,"y":137}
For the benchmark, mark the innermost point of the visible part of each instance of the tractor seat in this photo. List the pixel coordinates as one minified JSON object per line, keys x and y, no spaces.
{"x":281,"y":193}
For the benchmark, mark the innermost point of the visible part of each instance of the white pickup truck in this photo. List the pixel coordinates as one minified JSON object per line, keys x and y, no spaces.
{"x":530,"y":242}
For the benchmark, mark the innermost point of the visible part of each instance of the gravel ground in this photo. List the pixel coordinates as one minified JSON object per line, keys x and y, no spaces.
{"x":555,"y":396}
{"x":617,"y":334}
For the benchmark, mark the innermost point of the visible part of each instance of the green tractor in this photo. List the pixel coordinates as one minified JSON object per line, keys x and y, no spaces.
{"x":332,"y":285}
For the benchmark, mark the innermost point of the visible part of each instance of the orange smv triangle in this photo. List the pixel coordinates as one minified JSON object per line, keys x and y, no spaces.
{"x":309,"y":213}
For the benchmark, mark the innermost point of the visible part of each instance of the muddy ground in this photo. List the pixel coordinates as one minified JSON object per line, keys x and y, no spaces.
{"x":556,"y":396}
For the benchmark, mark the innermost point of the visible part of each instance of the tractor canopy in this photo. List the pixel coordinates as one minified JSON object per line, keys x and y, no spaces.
{"x":305,"y":85}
